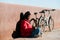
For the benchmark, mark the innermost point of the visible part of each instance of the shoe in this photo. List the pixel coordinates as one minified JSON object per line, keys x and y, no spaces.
{"x":36,"y":36}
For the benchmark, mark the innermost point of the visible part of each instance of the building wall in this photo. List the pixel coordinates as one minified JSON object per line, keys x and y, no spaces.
{"x":9,"y":16}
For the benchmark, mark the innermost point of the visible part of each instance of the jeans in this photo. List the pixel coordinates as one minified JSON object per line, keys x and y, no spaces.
{"x":36,"y":31}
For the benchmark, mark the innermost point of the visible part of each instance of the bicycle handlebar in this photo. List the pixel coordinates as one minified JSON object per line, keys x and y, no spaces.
{"x":43,"y":11}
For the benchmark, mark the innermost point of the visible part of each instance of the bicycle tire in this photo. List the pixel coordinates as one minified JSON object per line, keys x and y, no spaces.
{"x":42,"y":24}
{"x":51,"y":21}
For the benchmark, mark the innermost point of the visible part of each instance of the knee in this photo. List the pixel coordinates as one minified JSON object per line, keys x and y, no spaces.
{"x":37,"y":30}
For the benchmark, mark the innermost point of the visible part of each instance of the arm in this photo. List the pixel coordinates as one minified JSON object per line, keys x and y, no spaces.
{"x":27,"y":27}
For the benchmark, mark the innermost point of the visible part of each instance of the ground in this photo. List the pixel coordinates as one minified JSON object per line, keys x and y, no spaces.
{"x":53,"y":35}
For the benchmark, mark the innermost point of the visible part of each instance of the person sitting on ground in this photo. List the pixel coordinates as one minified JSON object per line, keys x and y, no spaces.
{"x":26,"y":29}
{"x":16,"y":32}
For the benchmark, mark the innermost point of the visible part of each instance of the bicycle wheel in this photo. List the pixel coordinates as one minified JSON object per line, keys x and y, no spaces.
{"x":51,"y":24}
{"x":33,"y":22}
{"x":42,"y":24}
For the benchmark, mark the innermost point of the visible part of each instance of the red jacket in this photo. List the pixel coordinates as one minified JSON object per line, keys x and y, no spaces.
{"x":26,"y":28}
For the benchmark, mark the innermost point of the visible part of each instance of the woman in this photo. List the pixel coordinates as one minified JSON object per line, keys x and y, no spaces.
{"x":26,"y":28}
{"x":16,"y":33}
{"x":18,"y":25}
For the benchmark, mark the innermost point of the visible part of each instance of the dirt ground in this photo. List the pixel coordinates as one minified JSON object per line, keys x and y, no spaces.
{"x":54,"y":35}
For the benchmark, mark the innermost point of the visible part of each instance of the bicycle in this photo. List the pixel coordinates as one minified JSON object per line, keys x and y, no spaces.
{"x":42,"y":22}
{"x":47,"y":22}
{"x":34,"y":21}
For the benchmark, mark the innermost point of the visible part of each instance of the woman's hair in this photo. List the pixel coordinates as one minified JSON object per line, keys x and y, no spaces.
{"x":21,"y":16}
{"x":27,"y":14}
